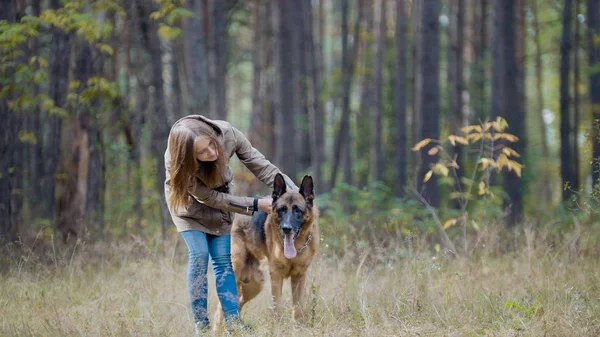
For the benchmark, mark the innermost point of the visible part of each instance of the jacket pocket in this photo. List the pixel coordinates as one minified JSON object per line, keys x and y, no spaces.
{"x":227,"y":217}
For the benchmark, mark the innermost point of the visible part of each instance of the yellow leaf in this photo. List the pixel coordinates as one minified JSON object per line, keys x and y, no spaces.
{"x":515,"y":167}
{"x":428,"y":176}
{"x":500,"y":124}
{"x":454,"y":195}
{"x":507,"y":136}
{"x":433,"y":151}
{"x":481,"y":188}
{"x":27,"y":137}
{"x":452,"y":139}
{"x":503,"y":161}
{"x":421,"y":144}
{"x":74,"y":84}
{"x":510,"y":152}
{"x":449,"y":223}
{"x":461,"y":140}
{"x":484,"y":163}
{"x":487,"y":126}
{"x":468,"y":129}
{"x":106,"y":49}
{"x":473,"y":137}
{"x":441,"y":169}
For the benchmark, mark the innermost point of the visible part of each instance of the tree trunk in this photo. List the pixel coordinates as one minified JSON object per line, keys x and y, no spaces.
{"x":157,"y":112}
{"x":576,"y":99}
{"x":134,"y":119}
{"x":400,"y":98}
{"x":284,"y":89}
{"x":59,"y":77}
{"x":456,"y":83}
{"x":314,"y":102}
{"x":35,"y":161}
{"x":217,"y":58}
{"x":511,"y":107}
{"x":300,"y":79}
{"x":593,"y":18}
{"x":429,"y":91}
{"x":341,"y":149}
{"x":364,"y":119}
{"x":546,"y":193}
{"x":196,"y":66}
{"x":417,"y":84}
{"x":8,"y":140}
{"x":566,"y":158}
{"x":377,"y":124}
{"x":480,"y":51}
{"x":258,"y":136}
{"x":74,"y":192}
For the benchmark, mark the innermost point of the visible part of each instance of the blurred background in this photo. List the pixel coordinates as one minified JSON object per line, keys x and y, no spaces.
{"x":341,"y":90}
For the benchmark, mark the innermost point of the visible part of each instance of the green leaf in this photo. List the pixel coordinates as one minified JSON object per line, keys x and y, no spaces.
{"x":168,"y":33}
{"x":27,"y":137}
{"x":106,"y":49}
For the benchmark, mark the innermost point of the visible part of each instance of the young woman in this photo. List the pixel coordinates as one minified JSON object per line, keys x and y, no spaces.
{"x":198,"y":179}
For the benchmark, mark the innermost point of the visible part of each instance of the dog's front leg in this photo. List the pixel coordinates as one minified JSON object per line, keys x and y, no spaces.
{"x":297,"y":294}
{"x":276,"y":285}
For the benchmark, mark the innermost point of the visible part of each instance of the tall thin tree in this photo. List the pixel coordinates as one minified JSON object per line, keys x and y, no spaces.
{"x":546,"y":193}
{"x":456,"y":79}
{"x":217,"y":58}
{"x":576,"y":96}
{"x":377,"y":124}
{"x":284,"y":89}
{"x":593,"y":18}
{"x":342,"y":143}
{"x":400,"y":98}
{"x":429,"y":91}
{"x":566,"y":155}
{"x":195,"y":58}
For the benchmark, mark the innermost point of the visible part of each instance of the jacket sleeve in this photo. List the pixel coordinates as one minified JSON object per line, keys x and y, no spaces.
{"x":256,"y":162}
{"x":223,"y":201}
{"x":210,"y":197}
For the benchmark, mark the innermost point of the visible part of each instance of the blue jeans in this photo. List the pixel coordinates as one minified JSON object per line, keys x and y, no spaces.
{"x":201,"y":246}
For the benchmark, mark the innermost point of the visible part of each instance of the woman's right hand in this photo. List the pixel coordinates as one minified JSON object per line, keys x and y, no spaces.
{"x":265,"y":204}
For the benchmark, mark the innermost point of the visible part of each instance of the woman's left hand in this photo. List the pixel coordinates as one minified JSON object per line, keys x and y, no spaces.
{"x":265,"y":204}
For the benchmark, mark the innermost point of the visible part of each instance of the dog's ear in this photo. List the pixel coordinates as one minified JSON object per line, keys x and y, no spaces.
{"x":307,"y":190}
{"x":278,"y":187}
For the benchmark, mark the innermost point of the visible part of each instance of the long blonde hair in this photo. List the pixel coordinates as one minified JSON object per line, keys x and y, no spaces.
{"x":185,"y":169}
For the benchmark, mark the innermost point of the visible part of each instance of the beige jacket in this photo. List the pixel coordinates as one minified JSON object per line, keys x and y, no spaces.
{"x":211,"y":211}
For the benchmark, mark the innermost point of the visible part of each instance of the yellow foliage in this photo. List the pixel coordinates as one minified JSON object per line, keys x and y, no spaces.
{"x":428,"y":176}
{"x":510,"y":152}
{"x":441,"y":169}
{"x":457,"y":139}
{"x":433,"y":151}
{"x":503,"y":161}
{"x":421,"y":144}
{"x":482,"y":188}
{"x":450,"y":223}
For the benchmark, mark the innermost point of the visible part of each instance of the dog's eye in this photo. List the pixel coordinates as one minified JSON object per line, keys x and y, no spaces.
{"x":297,"y":210}
{"x":281,"y":210}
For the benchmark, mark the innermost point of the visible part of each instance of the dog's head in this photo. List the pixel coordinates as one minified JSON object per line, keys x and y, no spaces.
{"x":292,"y":211}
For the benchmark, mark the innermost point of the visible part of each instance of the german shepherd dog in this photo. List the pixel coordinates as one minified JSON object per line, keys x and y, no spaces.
{"x":288,"y":239}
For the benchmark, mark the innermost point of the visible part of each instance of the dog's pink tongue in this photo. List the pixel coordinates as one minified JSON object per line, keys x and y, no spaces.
{"x":288,"y":247}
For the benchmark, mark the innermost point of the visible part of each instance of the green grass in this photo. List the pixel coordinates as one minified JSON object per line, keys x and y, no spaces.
{"x":129,"y":289}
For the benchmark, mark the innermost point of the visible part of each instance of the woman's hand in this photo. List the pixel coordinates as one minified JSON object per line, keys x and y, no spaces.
{"x":265,"y":204}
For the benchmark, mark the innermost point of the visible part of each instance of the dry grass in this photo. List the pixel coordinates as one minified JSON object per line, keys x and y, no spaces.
{"x":130,"y":290}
